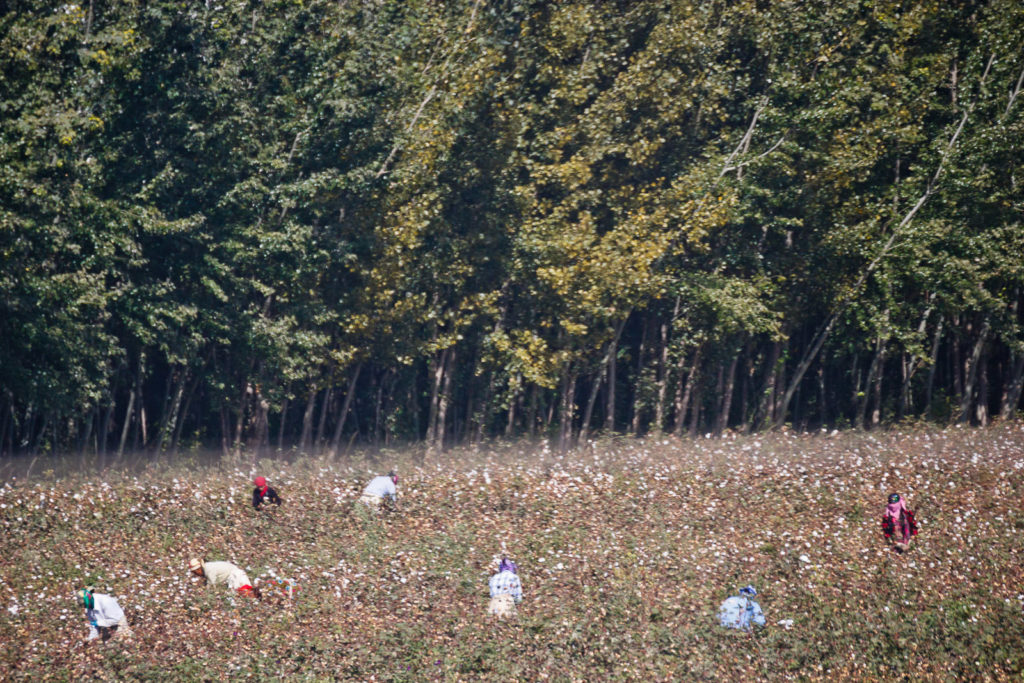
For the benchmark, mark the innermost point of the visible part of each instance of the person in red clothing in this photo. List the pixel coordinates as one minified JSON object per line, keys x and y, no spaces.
{"x":898,"y":523}
{"x":263,"y":494}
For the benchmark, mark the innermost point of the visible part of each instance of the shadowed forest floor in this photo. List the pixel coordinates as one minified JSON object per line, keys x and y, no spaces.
{"x":625,"y":547}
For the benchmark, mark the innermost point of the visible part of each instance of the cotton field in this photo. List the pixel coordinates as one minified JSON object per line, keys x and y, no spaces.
{"x":625,"y":549}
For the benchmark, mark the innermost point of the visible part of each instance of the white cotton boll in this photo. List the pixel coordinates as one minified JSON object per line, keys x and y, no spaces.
{"x":805,"y":559}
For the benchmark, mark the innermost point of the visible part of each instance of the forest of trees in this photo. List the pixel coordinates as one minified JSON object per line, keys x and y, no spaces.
{"x":309,"y":224}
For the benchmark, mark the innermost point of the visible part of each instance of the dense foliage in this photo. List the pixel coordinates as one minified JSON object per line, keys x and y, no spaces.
{"x":310,"y":223}
{"x":625,"y":550}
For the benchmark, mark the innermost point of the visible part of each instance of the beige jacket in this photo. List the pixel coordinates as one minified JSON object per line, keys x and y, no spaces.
{"x":225,"y":572}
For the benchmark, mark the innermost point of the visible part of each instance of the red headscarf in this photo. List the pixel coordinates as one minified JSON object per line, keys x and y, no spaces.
{"x":261,"y":484}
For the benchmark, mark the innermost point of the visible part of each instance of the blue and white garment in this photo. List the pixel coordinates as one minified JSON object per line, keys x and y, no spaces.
{"x":104,"y":613}
{"x":382,"y":486}
{"x":741,"y":611}
{"x":506,"y":583}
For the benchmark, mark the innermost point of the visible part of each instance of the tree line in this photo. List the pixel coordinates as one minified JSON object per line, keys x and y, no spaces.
{"x":309,"y":224}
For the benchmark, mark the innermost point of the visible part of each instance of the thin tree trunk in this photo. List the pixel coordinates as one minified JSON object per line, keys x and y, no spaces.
{"x":169,"y":425}
{"x":876,"y":413}
{"x":599,"y":376}
{"x":865,"y":395}
{"x":437,"y":372}
{"x":243,"y":404}
{"x":696,"y":408}
{"x":318,"y":440}
{"x":766,"y":409}
{"x":634,"y":424}
{"x":127,"y":423}
{"x":345,"y":407}
{"x":511,"y":421}
{"x":307,"y":419}
{"x":566,"y":414}
{"x":1012,"y":383}
{"x":445,"y":399}
{"x":981,"y":408}
{"x":967,"y":398}
{"x":934,"y":365}
{"x":281,"y":425}
{"x":183,"y":416}
{"x":609,"y":413}
{"x":682,"y":402}
{"x":726,"y":407}
{"x":659,"y":403}
{"x":1012,"y":388}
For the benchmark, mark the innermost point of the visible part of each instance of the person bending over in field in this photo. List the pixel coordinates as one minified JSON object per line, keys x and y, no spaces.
{"x":741,"y":611}
{"x":106,"y":618}
{"x":898,"y":523}
{"x":384,"y":487}
{"x":227,"y":573}
{"x":263,"y":495}
{"x":506,"y":589}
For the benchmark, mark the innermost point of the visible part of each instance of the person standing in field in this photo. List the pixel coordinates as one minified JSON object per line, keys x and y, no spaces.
{"x":898,"y":523}
{"x":106,"y":618}
{"x":226,"y":573}
{"x":506,"y":589}
{"x":263,"y":495}
{"x":384,"y":487}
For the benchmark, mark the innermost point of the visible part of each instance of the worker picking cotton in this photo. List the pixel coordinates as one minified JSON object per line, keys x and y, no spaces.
{"x":263,"y":495}
{"x":106,"y":618}
{"x":380,"y":489}
{"x":227,"y":573}
{"x":506,"y":589}
{"x":741,"y":611}
{"x":898,"y":523}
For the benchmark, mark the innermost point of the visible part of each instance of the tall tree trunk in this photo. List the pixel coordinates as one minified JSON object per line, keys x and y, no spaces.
{"x":321,"y":425}
{"x":930,"y":386}
{"x":876,"y":413}
{"x":183,"y":416}
{"x":659,"y":403}
{"x":609,"y":411}
{"x":437,"y":377}
{"x":169,"y":423}
{"x":766,"y":409}
{"x":345,"y":407}
{"x":1012,"y":387}
{"x":822,"y":397}
{"x":684,"y":391}
{"x":981,"y":408}
{"x":1014,"y":376}
{"x":869,"y":384}
{"x":510,"y":422}
{"x":696,"y":408}
{"x":568,"y":402}
{"x":243,"y":406}
{"x":967,"y":398}
{"x":607,"y":364}
{"x":445,"y":399}
{"x":127,"y":423}
{"x":307,"y":419}
{"x":726,"y":407}
{"x":282,"y":424}
{"x":634,"y":423}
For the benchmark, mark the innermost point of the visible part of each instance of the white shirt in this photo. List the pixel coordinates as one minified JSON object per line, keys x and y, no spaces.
{"x":506,"y":583}
{"x":105,"y":611}
{"x":225,"y":572}
{"x":381,"y":486}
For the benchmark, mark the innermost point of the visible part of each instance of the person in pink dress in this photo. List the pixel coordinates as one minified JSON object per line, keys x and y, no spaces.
{"x":898,"y":523}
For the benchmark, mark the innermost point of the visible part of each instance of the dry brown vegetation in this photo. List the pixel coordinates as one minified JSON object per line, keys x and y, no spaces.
{"x":626,"y":548}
